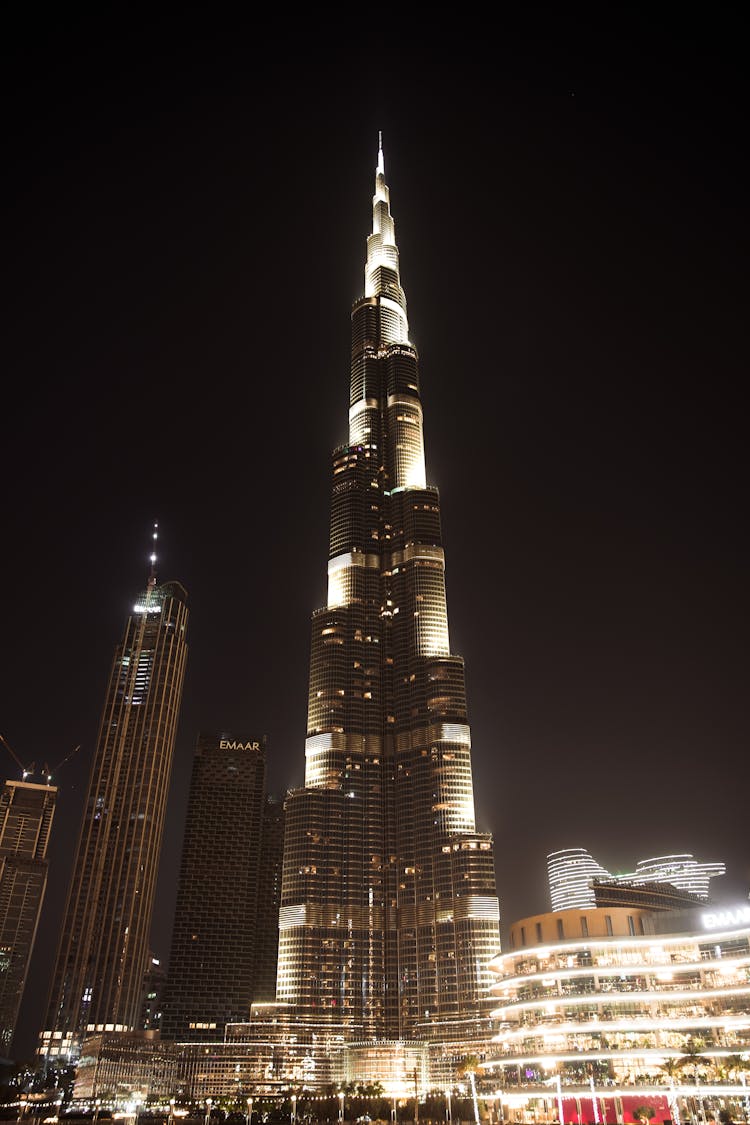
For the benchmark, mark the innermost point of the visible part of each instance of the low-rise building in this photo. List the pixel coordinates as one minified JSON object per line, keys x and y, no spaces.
{"x":619,"y":1001}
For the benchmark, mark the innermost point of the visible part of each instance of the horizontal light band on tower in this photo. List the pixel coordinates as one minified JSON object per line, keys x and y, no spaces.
{"x":353,"y":558}
{"x":326,"y":916}
{"x":476,"y":906}
{"x":417,"y":551}
{"x":364,"y":404}
{"x":439,"y":732}
{"x":335,"y":740}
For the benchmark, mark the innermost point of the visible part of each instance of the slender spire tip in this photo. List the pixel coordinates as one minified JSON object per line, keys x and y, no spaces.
{"x":381,"y":163}
{"x":152,"y":557}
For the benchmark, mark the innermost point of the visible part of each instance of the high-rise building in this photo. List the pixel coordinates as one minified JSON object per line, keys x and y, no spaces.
{"x":389,"y":913}
{"x":570,"y":873}
{"x":683,"y":871}
{"x":576,"y":880}
{"x":103,"y":951}
{"x":216,"y":958}
{"x":26,"y":814}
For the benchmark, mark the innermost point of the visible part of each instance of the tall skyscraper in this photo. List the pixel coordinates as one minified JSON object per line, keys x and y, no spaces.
{"x":216,"y":955}
{"x":389,"y":913}
{"x":683,"y":871}
{"x":572,"y":873}
{"x":103,"y":951}
{"x":26,"y":814}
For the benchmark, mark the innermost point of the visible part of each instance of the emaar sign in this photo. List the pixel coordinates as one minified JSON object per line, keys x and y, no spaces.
{"x":726,"y":919}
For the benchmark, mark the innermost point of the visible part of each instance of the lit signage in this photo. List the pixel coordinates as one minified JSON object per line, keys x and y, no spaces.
{"x":714,"y":919}
{"x":225,"y":744}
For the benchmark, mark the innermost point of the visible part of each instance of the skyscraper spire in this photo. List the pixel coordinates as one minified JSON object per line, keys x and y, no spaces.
{"x":152,"y":558}
{"x":389,"y":913}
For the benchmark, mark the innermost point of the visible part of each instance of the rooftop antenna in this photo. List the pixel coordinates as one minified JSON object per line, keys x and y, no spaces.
{"x":152,"y":574}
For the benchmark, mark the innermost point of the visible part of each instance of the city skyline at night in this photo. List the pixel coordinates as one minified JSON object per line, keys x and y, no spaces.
{"x":572,"y":250}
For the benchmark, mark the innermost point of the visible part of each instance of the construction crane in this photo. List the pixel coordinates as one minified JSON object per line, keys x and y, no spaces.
{"x":28,"y":771}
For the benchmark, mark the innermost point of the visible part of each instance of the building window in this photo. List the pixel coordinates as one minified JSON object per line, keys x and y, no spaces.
{"x":539,"y":931}
{"x":631,"y":925}
{"x":608,"y":924}
{"x":584,"y":927}
{"x":523,"y":935}
{"x":560,"y":928}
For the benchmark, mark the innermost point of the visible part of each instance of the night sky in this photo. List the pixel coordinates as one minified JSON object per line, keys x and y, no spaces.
{"x":185,"y":228}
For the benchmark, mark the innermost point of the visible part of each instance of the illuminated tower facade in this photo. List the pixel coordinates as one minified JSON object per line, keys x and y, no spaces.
{"x":572,"y":874}
{"x":389,"y":913}
{"x":682,"y":871}
{"x":218,"y":940}
{"x":103,"y":951}
{"x":26,"y":813}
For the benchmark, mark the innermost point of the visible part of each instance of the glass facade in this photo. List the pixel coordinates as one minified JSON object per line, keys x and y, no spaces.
{"x":573,"y":876}
{"x":26,"y":814}
{"x":103,"y":952}
{"x":389,"y":913}
{"x":216,"y":956}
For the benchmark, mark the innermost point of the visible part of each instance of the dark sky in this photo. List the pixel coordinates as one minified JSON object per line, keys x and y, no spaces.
{"x":185,"y":235}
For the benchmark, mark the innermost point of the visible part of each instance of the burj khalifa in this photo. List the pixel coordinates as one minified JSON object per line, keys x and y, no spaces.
{"x":389,"y":909}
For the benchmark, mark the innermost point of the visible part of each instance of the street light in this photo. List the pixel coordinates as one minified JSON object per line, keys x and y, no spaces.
{"x":341,"y":1105}
{"x":171,"y":1111}
{"x":249,"y":1111}
{"x":208,"y":1111}
{"x":448,"y":1110}
{"x":294,"y":1109}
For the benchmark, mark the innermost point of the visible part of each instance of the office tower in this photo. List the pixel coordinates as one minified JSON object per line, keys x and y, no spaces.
{"x":103,"y":951}
{"x":213,"y":963}
{"x":570,"y":873}
{"x":389,"y":912}
{"x":683,"y":872}
{"x":26,"y":813}
{"x":576,"y":880}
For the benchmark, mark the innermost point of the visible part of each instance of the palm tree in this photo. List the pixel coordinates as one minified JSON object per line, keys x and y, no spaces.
{"x":644,"y":1113}
{"x":469,"y":1067}
{"x":736,"y":1064}
{"x":671,"y":1067}
{"x":692,"y":1059}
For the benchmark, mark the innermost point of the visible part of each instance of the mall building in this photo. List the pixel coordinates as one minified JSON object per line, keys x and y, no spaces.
{"x":602,"y":1011}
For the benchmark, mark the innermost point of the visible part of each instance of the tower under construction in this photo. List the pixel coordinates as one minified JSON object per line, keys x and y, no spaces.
{"x":103,"y":950}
